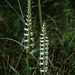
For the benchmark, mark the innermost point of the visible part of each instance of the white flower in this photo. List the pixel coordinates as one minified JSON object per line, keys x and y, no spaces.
{"x":41,"y":41}
{"x":26,"y":47}
{"x":41,"y":34}
{"x":31,"y":33}
{"x":42,"y":49}
{"x":47,"y":44}
{"x":41,"y":63}
{"x":32,"y":6}
{"x":25,"y":29}
{"x":41,"y":58}
{"x":46,"y":37}
{"x":41,"y":70}
{"x":30,"y":23}
{"x":41,"y":53}
{"x":42,"y":38}
{"x":28,"y":20}
{"x":46,"y":57}
{"x":46,"y":52}
{"x":46,"y":68}
{"x":42,"y":30}
{"x":47,"y":41}
{"x":46,"y":62}
{"x":32,"y":39}
{"x":32,"y":45}
{"x":28,"y":16}
{"x":41,"y":44}
{"x":25,"y":34}
{"x":25,"y":40}
{"x":26,"y":24}
{"x":46,"y":48}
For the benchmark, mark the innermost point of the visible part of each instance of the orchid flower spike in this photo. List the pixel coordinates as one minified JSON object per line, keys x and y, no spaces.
{"x":29,"y":41}
{"x":43,"y":50}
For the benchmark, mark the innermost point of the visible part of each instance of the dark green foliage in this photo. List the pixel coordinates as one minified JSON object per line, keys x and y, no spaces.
{"x":60,"y":18}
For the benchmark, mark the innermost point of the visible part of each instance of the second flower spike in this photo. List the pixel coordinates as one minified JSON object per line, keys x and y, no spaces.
{"x":43,"y":50}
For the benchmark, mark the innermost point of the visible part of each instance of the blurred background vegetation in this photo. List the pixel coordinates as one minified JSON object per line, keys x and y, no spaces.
{"x":60,"y":19}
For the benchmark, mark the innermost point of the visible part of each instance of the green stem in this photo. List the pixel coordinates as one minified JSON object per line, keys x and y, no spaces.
{"x":14,"y":10}
{"x":40,"y":14}
{"x":28,"y":51}
{"x":27,"y":64}
{"x":29,"y":34}
{"x":44,"y":49}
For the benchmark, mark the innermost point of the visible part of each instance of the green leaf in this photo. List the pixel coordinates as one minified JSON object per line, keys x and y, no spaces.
{"x":51,"y":64}
{"x":14,"y":69}
{"x":16,"y":28}
{"x":35,"y":52}
{"x":30,"y":69}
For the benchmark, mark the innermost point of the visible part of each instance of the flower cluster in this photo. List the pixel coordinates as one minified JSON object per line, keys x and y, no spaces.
{"x":44,"y":50}
{"x":29,"y":42}
{"x":28,"y":29}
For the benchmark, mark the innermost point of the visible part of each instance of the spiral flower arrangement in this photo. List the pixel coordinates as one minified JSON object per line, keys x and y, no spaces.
{"x":44,"y":50}
{"x":29,"y":41}
{"x":29,"y":34}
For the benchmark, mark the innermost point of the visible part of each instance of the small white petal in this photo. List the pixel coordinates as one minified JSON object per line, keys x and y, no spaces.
{"x":41,"y":53}
{"x":28,"y":16}
{"x":41,"y":58}
{"x":25,"y":29}
{"x":32,"y":45}
{"x":41,"y":63}
{"x":46,"y":62}
{"x":26,"y":24}
{"x":25,"y":34}
{"x":46,"y":37}
{"x":46,"y":52}
{"x":46,"y":48}
{"x":42,"y":30}
{"x":46,"y":57}
{"x":28,"y":20}
{"x":25,"y":40}
{"x":46,"y":68}
{"x":26,"y":47}
{"x":32,"y":2}
{"x":31,"y":33}
{"x":32,"y":6}
{"x":42,"y":38}
{"x":41,"y":70}
{"x":42,"y":49}
{"x":41,"y":34}
{"x":47,"y":44}
{"x":32,"y":39}
{"x":41,"y":44}
{"x":41,"y":41}
{"x":47,"y":41}
{"x":30,"y":23}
